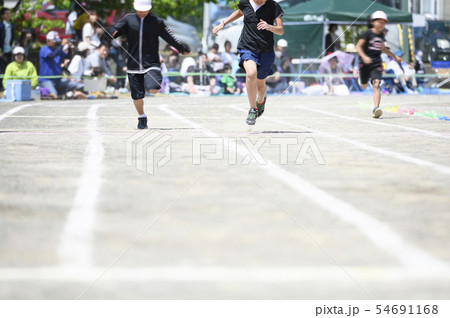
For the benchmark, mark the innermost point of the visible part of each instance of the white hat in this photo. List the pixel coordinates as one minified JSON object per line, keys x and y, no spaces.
{"x":282,"y":43}
{"x":18,"y":50}
{"x":350,"y":48}
{"x":53,"y":36}
{"x":83,"y":46}
{"x":379,"y":15}
{"x":142,"y":5}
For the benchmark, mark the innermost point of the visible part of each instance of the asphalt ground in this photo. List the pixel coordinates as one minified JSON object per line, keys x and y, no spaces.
{"x":316,"y":201}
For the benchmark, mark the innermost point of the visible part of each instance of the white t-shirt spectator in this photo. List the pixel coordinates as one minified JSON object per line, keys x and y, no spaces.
{"x":228,"y":58}
{"x":95,"y":61}
{"x":78,"y":67}
{"x":70,"y":21}
{"x":89,"y":31}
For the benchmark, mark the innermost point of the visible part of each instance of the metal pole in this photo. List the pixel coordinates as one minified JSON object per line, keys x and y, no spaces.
{"x":406,"y":38}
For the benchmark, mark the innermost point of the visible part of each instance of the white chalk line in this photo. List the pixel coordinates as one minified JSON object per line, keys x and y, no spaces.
{"x":10,"y":112}
{"x":396,"y":155}
{"x":75,"y":248}
{"x":375,"y":122}
{"x":378,"y":233}
{"x":313,"y":274}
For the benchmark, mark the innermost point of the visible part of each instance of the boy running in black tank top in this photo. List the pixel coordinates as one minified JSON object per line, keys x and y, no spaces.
{"x":262,"y":18}
{"x":369,"y":48}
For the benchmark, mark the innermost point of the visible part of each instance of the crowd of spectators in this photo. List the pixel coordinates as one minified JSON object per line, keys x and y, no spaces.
{"x":65,"y":64}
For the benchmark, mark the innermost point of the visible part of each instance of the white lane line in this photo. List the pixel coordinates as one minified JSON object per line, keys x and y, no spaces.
{"x":222,"y":274}
{"x":378,"y":233}
{"x":376,"y":122}
{"x":399,"y":156}
{"x":17,"y":109}
{"x":75,"y":249}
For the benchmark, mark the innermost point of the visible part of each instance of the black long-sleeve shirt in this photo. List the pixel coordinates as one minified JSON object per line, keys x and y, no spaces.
{"x":143,"y":40}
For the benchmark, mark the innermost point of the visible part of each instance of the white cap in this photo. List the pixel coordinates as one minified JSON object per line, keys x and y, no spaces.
{"x":18,"y":50}
{"x":282,"y":43}
{"x":142,"y":5}
{"x":379,"y":15}
{"x":53,"y":36}
{"x":350,"y":48}
{"x":83,"y":46}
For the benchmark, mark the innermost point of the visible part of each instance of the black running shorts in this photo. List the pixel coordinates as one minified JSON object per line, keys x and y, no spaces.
{"x":139,"y":83}
{"x":372,"y":72}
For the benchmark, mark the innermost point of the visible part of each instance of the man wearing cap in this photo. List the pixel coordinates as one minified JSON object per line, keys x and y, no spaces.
{"x":280,"y":50}
{"x":369,"y":47}
{"x":20,"y":68}
{"x":51,"y":57}
{"x":143,"y":30}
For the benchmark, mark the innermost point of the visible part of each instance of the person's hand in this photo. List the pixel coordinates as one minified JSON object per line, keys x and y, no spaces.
{"x":263,"y":25}
{"x":367,"y":60}
{"x":217,"y":28}
{"x":398,"y":59}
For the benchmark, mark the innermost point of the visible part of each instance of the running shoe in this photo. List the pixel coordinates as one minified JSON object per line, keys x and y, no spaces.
{"x":142,"y":124}
{"x":377,"y":112}
{"x":261,"y":106}
{"x":252,"y":115}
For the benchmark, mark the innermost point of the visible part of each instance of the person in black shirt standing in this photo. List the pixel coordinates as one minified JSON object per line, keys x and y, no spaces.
{"x":143,"y":30}
{"x":262,"y":18}
{"x":369,"y":47}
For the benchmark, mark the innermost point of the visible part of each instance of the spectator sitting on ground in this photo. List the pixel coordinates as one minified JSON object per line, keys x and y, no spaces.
{"x":352,"y":82}
{"x":204,"y":84}
{"x":78,"y":68}
{"x":172,"y":66}
{"x":276,"y":84}
{"x":97,"y":64}
{"x":215,"y":59}
{"x":20,"y":68}
{"x":405,"y":81}
{"x":227,"y":56}
{"x":51,"y":57}
{"x":336,"y":85}
{"x":229,"y":82}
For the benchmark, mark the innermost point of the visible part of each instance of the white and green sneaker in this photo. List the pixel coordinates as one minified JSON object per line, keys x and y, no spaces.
{"x":252,"y":115}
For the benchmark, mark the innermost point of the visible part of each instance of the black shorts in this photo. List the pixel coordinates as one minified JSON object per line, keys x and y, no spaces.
{"x":370,"y":71}
{"x":139,"y":83}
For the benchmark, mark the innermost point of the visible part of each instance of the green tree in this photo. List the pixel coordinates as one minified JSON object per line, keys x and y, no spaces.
{"x":24,"y":15}
{"x":190,"y":11}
